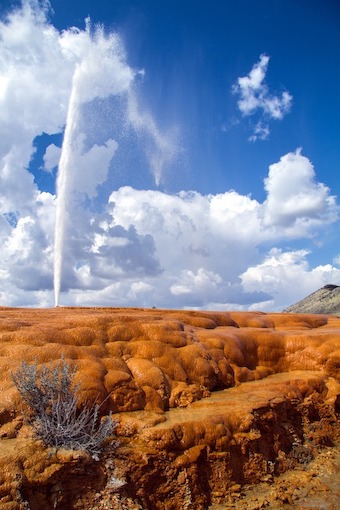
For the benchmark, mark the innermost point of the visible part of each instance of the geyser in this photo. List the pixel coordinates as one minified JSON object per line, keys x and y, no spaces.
{"x":101,"y":71}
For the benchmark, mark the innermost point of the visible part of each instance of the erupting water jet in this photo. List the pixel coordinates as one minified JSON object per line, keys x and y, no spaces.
{"x":100,"y":73}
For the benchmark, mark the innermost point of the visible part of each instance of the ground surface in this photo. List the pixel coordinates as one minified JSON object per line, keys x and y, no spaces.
{"x":313,"y":486}
{"x":310,"y":486}
{"x":215,"y":410}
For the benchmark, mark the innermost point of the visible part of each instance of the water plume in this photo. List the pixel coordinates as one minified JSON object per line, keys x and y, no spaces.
{"x":63,"y":187}
{"x":101,"y":72}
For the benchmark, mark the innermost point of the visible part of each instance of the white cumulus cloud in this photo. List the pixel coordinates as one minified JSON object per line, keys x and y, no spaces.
{"x":287,"y":277}
{"x":51,"y":157}
{"x":205,"y":244}
{"x":138,"y":247}
{"x":149,"y":248}
{"x":295,"y":200}
{"x":256,"y":98}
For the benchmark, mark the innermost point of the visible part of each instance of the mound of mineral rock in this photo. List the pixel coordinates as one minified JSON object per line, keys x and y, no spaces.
{"x":206,"y":403}
{"x":325,"y":300}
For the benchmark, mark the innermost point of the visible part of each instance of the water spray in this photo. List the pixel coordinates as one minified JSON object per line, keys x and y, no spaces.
{"x":101,"y":72}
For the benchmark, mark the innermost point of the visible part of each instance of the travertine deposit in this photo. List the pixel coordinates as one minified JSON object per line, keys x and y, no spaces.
{"x":207,"y":402}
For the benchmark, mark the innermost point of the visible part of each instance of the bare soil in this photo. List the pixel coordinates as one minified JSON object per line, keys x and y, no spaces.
{"x":313,"y":486}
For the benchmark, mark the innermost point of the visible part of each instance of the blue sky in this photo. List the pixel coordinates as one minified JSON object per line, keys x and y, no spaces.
{"x":204,"y":166}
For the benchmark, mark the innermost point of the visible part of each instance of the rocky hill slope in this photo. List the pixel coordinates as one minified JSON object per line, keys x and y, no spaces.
{"x":207,"y":404}
{"x":325,"y":300}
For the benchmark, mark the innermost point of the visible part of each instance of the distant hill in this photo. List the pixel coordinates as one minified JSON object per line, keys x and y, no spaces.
{"x":325,"y":300}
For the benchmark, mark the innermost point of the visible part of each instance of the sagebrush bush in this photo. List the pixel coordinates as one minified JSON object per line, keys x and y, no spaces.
{"x":52,"y":400}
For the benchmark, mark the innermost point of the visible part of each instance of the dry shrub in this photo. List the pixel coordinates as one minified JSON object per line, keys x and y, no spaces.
{"x":52,"y":400}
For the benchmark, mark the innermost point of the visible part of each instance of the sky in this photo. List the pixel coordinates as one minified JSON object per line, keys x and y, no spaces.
{"x":169,"y":153}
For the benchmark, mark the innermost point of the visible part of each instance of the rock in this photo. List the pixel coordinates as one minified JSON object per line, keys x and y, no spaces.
{"x":206,"y":402}
{"x":325,"y":300}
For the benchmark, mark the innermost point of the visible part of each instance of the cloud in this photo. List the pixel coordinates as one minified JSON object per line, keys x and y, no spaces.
{"x":255,"y":98}
{"x":295,"y":201}
{"x":192,"y":283}
{"x":205,"y":244}
{"x":261,"y":132}
{"x":88,"y":169}
{"x":124,"y":252}
{"x":51,"y":157}
{"x":26,"y":262}
{"x":49,"y":79}
{"x":36,"y":69}
{"x":287,"y":277}
{"x":149,"y":248}
{"x":129,"y":247}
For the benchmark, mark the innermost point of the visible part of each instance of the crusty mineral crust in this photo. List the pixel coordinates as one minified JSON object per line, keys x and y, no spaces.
{"x":207,"y":403}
